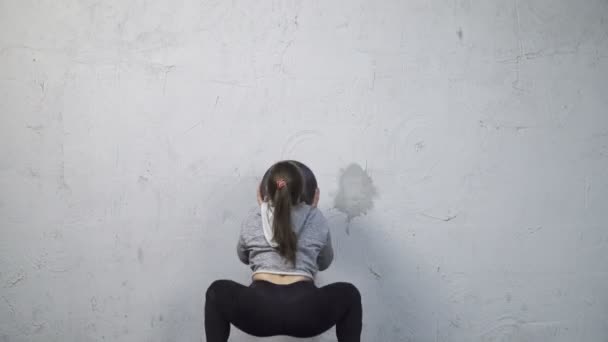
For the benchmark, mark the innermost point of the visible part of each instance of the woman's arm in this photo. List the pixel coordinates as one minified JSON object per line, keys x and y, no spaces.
{"x":326,"y":256}
{"x":241,"y":251}
{"x":241,"y":247}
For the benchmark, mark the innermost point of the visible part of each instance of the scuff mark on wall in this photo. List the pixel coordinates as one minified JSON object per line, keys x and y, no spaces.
{"x":140,"y":255}
{"x":36,"y":128}
{"x":10,"y":306}
{"x":93,"y":302}
{"x":503,"y":328}
{"x":587,"y":189}
{"x":374,"y":273}
{"x":297,"y":139}
{"x":19,"y":277}
{"x":167,"y":70}
{"x":447,"y":218}
{"x":61,"y":182}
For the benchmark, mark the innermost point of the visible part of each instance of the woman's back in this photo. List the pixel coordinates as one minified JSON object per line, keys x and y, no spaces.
{"x":313,"y":253}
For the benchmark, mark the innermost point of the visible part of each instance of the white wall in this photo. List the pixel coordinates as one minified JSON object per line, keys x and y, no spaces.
{"x":133,"y":133}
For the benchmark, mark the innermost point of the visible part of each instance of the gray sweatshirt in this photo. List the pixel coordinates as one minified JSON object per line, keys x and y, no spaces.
{"x":314,"y":252}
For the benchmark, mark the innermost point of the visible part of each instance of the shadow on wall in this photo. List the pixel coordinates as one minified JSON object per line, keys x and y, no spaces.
{"x":398,"y":296}
{"x":400,"y":292}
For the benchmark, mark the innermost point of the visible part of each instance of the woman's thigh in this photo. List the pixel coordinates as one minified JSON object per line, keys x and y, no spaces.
{"x":266,"y":309}
{"x":320,"y":309}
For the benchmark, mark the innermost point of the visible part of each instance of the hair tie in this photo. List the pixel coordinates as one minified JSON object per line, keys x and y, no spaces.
{"x":281,"y":183}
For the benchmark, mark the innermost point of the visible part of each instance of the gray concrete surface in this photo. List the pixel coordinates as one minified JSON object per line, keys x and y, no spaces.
{"x":462,"y":145}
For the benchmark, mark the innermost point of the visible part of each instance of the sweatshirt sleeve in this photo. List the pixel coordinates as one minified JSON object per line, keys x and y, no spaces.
{"x":326,"y":255}
{"x":242,"y":251}
{"x":241,"y":247}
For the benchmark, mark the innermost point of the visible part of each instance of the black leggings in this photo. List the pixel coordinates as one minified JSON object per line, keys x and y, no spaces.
{"x":265,"y":309}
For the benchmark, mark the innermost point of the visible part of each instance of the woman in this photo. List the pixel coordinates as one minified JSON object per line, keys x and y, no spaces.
{"x":285,"y":243}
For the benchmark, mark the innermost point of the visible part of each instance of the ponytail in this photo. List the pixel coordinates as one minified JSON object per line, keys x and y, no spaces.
{"x":281,"y":224}
{"x":284,"y":186}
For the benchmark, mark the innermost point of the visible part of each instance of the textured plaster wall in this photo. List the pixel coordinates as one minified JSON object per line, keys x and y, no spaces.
{"x":461,"y":148}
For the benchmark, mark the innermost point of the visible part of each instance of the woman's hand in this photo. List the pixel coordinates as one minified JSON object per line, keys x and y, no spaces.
{"x":315,"y":200}
{"x":259,"y":194}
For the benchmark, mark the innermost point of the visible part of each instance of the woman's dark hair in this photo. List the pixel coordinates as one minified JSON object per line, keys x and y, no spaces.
{"x":310,"y":182}
{"x":286,"y":184}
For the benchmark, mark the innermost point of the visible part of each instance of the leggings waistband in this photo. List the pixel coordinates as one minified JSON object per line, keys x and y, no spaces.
{"x":302,"y":283}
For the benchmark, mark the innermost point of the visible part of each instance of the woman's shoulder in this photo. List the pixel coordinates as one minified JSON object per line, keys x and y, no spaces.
{"x":313,"y":218}
{"x":307,"y":211}
{"x":253,"y":219}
